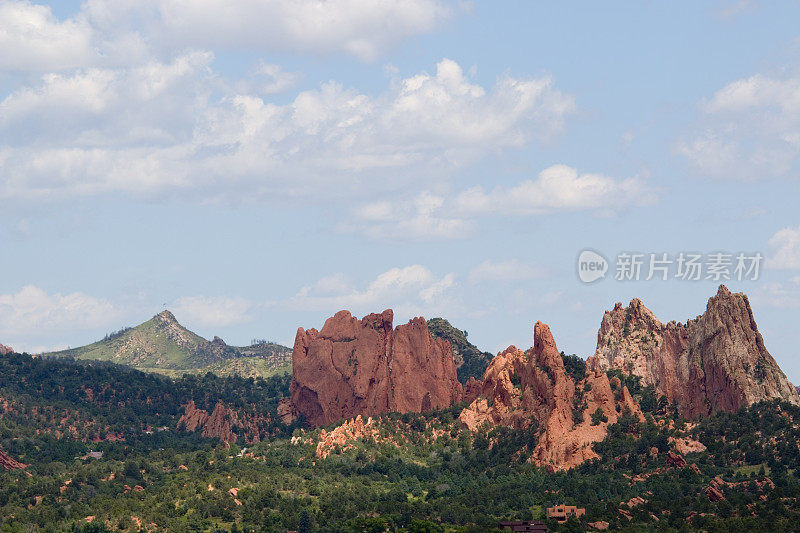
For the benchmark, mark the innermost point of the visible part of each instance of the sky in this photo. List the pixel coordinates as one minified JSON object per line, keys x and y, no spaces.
{"x":256,"y":166}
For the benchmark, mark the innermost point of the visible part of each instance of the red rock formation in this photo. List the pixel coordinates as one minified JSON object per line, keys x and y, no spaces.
{"x":686,"y":445}
{"x":223,"y":423}
{"x":675,"y":459}
{"x":8,"y":463}
{"x":519,"y":389}
{"x":635,"y":502}
{"x":346,"y":435}
{"x":716,"y":362}
{"x":714,"y":494}
{"x":193,"y":417}
{"x":286,"y":411}
{"x":354,"y":367}
{"x":5,"y":350}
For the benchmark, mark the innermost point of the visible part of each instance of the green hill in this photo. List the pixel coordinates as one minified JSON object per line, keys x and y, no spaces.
{"x":163,"y":345}
{"x":469,"y":359}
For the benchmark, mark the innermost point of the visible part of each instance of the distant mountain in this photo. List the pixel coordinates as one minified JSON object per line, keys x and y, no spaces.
{"x":470,"y":361}
{"x":163,"y":345}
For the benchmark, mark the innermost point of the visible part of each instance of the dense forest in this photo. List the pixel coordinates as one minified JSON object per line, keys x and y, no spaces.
{"x":421,"y":473}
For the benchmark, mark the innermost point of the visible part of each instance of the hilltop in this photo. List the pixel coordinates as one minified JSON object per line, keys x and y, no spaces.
{"x":163,"y":345}
{"x":470,"y":361}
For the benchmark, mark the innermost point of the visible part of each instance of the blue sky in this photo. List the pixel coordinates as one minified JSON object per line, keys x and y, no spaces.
{"x":257,"y":166}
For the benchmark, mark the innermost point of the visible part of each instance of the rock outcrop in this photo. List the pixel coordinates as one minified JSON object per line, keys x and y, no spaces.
{"x":7,"y":463}
{"x":286,"y":411}
{"x":684,"y":445}
{"x":5,"y":350}
{"x":716,"y":362}
{"x":346,"y":435}
{"x":223,"y":423}
{"x":524,"y":388}
{"x":366,"y":367}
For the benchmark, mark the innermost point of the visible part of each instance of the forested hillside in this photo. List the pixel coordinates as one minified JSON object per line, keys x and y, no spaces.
{"x":411,"y":472}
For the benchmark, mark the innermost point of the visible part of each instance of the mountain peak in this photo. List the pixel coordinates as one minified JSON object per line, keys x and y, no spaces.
{"x":717,"y":362}
{"x":167,"y":316}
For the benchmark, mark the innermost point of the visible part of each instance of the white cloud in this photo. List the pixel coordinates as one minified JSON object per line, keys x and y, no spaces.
{"x":730,"y":9}
{"x":31,"y":38}
{"x":511,"y":270}
{"x":158,"y":127}
{"x":363,"y":28}
{"x":411,"y":289}
{"x":750,"y":129}
{"x":776,"y":294}
{"x":558,"y":187}
{"x":756,"y":92}
{"x":275,"y":79}
{"x":110,"y":31}
{"x":32,"y":310}
{"x":415,"y":219}
{"x":436,"y":290}
{"x":429,"y":216}
{"x":214,"y":311}
{"x":786,"y":249}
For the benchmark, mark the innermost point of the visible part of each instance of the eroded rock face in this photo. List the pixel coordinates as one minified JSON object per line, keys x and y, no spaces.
{"x":5,"y":350}
{"x":366,"y":367}
{"x":522,"y":388}
{"x":716,"y":362}
{"x":223,"y":423}
{"x":8,"y":463}
{"x":286,"y":411}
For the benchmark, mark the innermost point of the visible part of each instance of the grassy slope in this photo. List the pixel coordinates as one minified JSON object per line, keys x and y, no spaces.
{"x":144,"y":346}
{"x":166,"y":347}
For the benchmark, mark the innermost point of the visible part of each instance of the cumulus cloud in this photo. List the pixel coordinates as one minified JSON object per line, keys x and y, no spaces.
{"x":32,"y":38}
{"x":106,"y":32}
{"x":213,"y":311}
{"x":363,"y":28}
{"x":510,"y":270}
{"x":272,"y":79}
{"x":558,"y":187}
{"x":32,"y":310}
{"x":429,"y":216}
{"x":749,"y":129}
{"x":416,"y":219}
{"x":786,"y":249}
{"x":410,"y":289}
{"x":159,"y":126}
